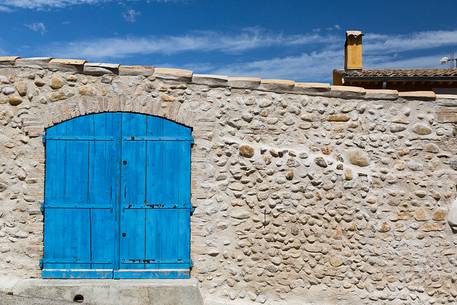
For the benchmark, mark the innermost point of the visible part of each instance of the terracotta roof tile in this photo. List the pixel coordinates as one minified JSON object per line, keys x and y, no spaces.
{"x":403,"y":74}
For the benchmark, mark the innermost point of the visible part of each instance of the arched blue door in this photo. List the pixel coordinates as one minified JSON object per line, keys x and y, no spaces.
{"x":117,"y":198}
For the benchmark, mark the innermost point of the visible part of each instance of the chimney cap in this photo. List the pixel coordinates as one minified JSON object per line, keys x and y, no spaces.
{"x":354,"y":33}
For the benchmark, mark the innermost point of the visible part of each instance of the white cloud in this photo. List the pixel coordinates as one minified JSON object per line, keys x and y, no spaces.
{"x":39,"y":4}
{"x":8,"y":5}
{"x":429,"y":61}
{"x":201,"y":41}
{"x":249,"y":39}
{"x":380,"y":51}
{"x":130,"y":15}
{"x":4,"y":9}
{"x":37,"y":27}
{"x":306,"y":67}
{"x":375,"y":43}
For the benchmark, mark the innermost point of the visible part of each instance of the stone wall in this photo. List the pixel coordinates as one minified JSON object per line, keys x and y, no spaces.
{"x":303,"y":191}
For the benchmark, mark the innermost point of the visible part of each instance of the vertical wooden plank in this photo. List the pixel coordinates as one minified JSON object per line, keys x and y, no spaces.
{"x":132,"y":230}
{"x":55,"y":173}
{"x":54,"y":194}
{"x":117,"y":133}
{"x":102,"y":184}
{"x":155,"y":187}
{"x":76,"y":238}
{"x":168,"y":228}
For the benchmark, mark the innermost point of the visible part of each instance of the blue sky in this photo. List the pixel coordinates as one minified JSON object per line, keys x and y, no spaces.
{"x":289,"y":39}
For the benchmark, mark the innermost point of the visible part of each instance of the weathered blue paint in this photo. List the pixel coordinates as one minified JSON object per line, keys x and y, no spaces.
{"x":117,"y":198}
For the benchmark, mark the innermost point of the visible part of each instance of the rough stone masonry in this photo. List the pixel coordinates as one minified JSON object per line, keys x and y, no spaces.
{"x":303,"y":191}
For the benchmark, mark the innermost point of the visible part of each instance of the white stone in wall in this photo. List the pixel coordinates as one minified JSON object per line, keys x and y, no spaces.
{"x":452,"y":215}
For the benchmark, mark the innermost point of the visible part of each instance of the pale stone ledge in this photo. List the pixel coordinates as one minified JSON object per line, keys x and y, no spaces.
{"x":70,"y":65}
{"x":446,"y":96}
{"x":100,"y":68}
{"x":311,"y":88}
{"x":33,"y":62}
{"x":74,"y":62}
{"x":136,"y":71}
{"x":210,"y":80}
{"x":276,"y":84}
{"x":273,"y":85}
{"x":347,"y":92}
{"x":381,"y":94}
{"x":244,"y":82}
{"x":173,"y":74}
{"x":8,"y":60}
{"x":418,"y":95}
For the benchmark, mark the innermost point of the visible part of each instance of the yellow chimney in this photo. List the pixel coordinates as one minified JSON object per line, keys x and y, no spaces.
{"x":353,"y":51}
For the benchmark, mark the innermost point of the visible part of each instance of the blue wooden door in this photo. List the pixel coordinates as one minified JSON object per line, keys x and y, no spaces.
{"x":117,"y":198}
{"x":155,"y":198}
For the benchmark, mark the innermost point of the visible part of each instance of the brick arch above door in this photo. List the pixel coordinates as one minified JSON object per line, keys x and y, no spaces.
{"x":178,"y":111}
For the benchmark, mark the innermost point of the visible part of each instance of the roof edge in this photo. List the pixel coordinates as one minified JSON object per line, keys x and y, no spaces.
{"x":394,"y":74}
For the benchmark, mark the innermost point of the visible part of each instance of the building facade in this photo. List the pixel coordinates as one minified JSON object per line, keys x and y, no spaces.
{"x":301,"y":191}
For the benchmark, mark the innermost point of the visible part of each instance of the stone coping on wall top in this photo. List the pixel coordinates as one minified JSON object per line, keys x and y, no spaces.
{"x":252,"y":83}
